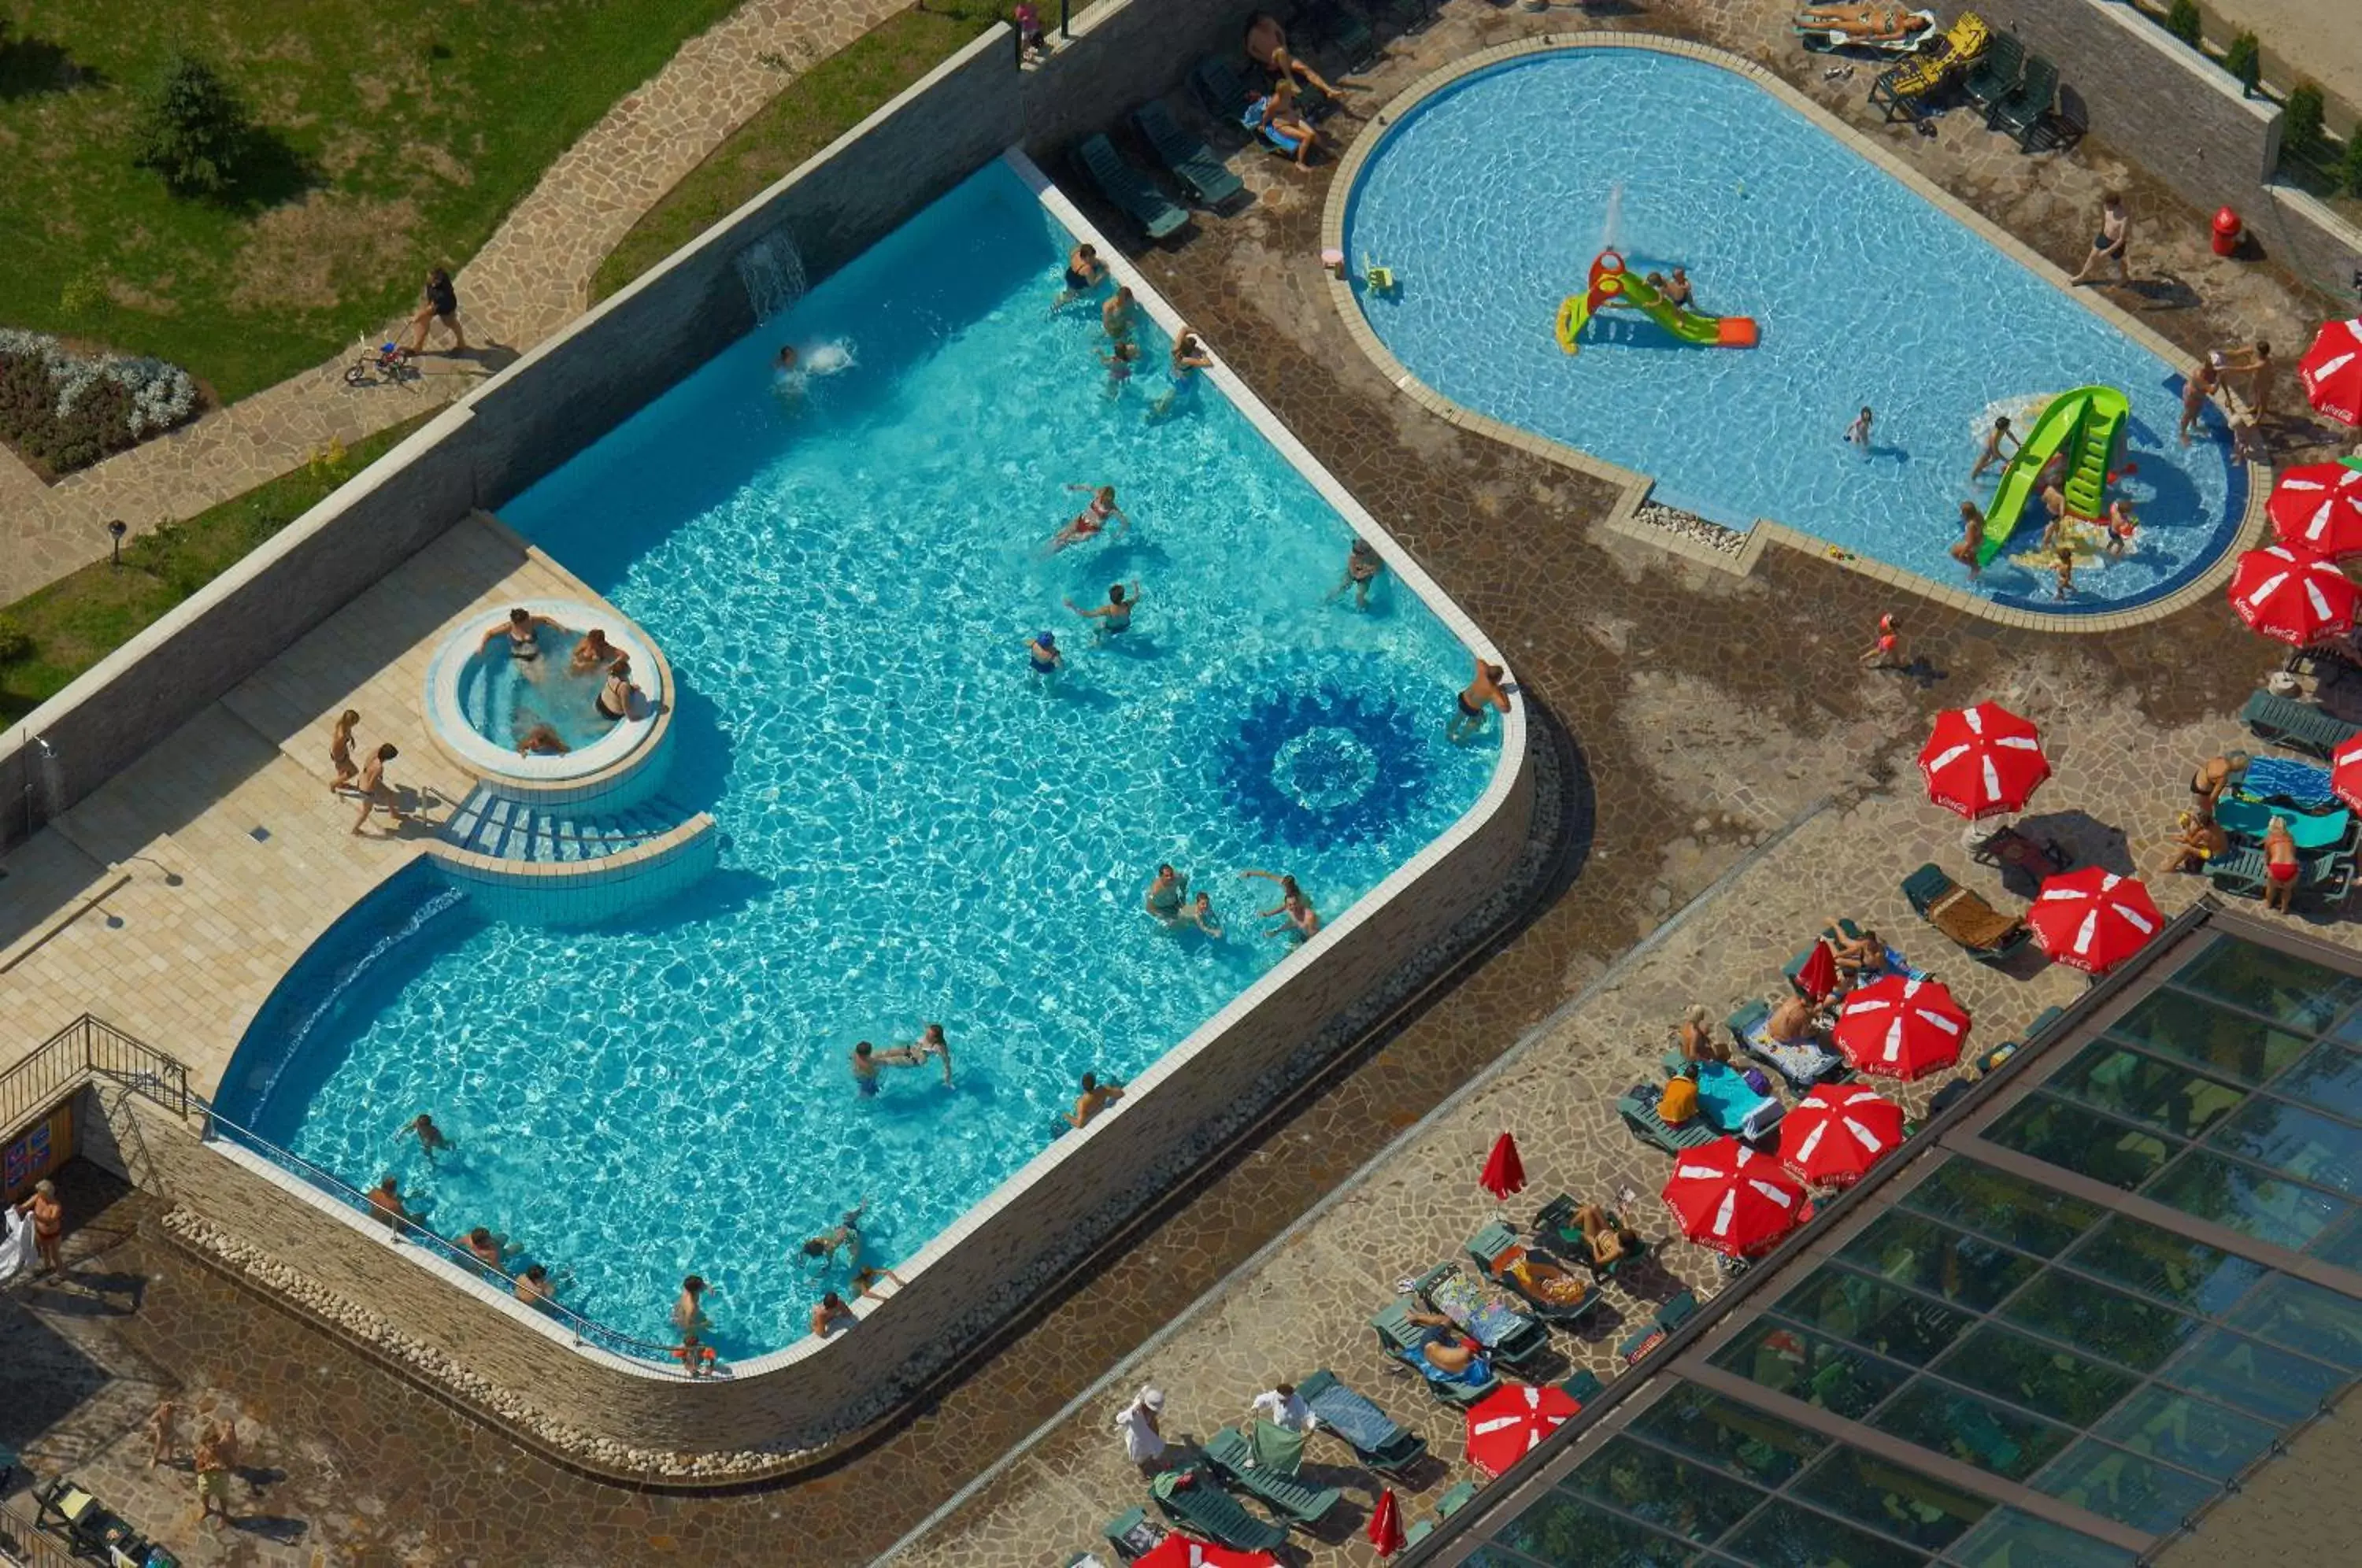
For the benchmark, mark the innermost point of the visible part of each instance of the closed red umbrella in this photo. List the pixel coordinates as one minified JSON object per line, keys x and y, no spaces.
{"x":2094,"y":919}
{"x":1181,"y":1551}
{"x":2318,"y":507}
{"x":1819,"y":977}
{"x":2332,"y":371}
{"x":1504,"y":1172}
{"x":1386,"y":1524}
{"x":1505,"y":1425}
{"x":1726,"y":1197}
{"x":2292,"y":595}
{"x":1982,"y":761}
{"x":1838,"y":1132}
{"x":1900,"y":1027}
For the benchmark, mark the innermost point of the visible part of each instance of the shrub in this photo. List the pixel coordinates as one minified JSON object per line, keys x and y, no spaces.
{"x":2349,"y":168}
{"x":2301,"y":121}
{"x":2181,"y":19}
{"x":15,"y":640}
{"x":2245,"y":60}
{"x":67,"y":410}
{"x":191,"y":128}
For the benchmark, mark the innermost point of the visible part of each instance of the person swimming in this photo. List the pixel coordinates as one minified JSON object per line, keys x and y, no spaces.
{"x":543,"y":740}
{"x":594,"y":652}
{"x":1189,"y":356}
{"x":1092,"y":518}
{"x":523,"y":630}
{"x":1165,"y":892}
{"x":1043,"y":648}
{"x":1113,"y":616}
{"x":615,"y":699}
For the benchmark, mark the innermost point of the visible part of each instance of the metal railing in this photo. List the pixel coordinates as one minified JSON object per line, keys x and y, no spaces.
{"x":586,"y":1331}
{"x":83,"y":1049}
{"x":22,"y":1541}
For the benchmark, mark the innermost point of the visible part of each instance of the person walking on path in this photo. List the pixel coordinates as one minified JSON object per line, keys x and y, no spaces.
{"x":1143,"y":1438}
{"x":438,"y":302}
{"x":162,"y":1449}
{"x":2110,"y":244}
{"x":340,"y":751}
{"x":375,"y":792}
{"x":213,"y":1462}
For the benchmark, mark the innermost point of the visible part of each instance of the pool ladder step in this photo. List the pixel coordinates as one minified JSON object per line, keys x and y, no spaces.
{"x":507,"y":829}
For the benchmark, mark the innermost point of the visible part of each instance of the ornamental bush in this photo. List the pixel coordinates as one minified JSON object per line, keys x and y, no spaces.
{"x":66,"y":410}
{"x":2349,"y":168}
{"x":191,"y":128}
{"x":2181,"y":19}
{"x":2245,"y":60}
{"x":2301,"y":122}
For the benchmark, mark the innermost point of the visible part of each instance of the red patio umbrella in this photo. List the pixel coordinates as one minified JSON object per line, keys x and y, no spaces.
{"x":2092,"y":919}
{"x":1505,"y":1425}
{"x":1504,"y":1172}
{"x":1181,"y":1551}
{"x":1726,"y":1197}
{"x":1819,"y":977}
{"x":1900,"y":1027}
{"x":1982,"y":761}
{"x":2345,"y":772}
{"x":2318,"y":507}
{"x":2292,"y":595}
{"x":2332,"y":371}
{"x":1838,"y":1132}
{"x":1386,"y":1524}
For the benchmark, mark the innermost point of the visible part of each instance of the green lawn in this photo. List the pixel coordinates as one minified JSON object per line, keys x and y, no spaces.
{"x":404,"y":130}
{"x":54,"y":633}
{"x":815,"y":109}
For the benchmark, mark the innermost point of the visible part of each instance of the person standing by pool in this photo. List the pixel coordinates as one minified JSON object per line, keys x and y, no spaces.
{"x":1857,"y":433}
{"x":2109,"y":245}
{"x":1095,"y":1097}
{"x":1992,"y":453}
{"x":1484,"y":689}
{"x":2281,"y":866}
{"x":2197,"y":388}
{"x":1303,"y":922}
{"x":1886,"y":652}
{"x":1113,"y":616}
{"x":341,"y":750}
{"x":1088,"y":523}
{"x":1043,"y":649}
{"x":1084,"y":271}
{"x":1116,"y":316}
{"x":1188,"y":358}
{"x":1972,"y":538}
{"x":1362,"y":565}
{"x":375,"y":792}
{"x":2256,"y":364}
{"x":431,"y":1141}
{"x":688,"y":1319}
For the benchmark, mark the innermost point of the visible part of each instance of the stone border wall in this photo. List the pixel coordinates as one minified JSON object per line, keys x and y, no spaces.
{"x":1631,"y":515}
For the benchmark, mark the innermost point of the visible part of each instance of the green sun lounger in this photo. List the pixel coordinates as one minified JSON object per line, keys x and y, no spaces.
{"x":1556,"y":1221}
{"x":1978,"y":929}
{"x":1230,"y":1452}
{"x":1639,"y":1110}
{"x":1130,"y":189}
{"x":1220,"y":90}
{"x":1377,"y":1439}
{"x":2321,"y":878}
{"x":1996,"y":75}
{"x":1583,"y":1386}
{"x":1192,"y":1496}
{"x":1344,"y":34}
{"x":1401,"y":1339}
{"x":1515,"y":1342}
{"x":2020,"y":116}
{"x":1193,"y":163}
{"x":1458,"y":1497}
{"x":1496,"y":1239}
{"x":2299,"y":726}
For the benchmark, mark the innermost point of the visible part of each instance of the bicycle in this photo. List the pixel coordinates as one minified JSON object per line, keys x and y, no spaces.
{"x":388,"y":363}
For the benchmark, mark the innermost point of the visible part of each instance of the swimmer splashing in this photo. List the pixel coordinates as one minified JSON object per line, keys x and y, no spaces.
{"x":793,"y":370}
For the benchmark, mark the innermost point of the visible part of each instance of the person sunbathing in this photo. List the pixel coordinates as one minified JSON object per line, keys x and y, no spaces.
{"x":1695,"y":1036}
{"x":1792,"y":1022}
{"x":1608,"y":1240}
{"x":1457,"y":1358}
{"x":1545,"y":1279}
{"x":1864,"y":24}
{"x":1860,"y":957}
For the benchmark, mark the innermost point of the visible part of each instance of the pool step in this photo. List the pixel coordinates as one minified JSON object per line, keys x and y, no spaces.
{"x":507,"y":829}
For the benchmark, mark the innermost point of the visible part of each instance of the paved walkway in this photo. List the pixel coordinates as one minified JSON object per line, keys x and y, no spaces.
{"x":531,"y":278}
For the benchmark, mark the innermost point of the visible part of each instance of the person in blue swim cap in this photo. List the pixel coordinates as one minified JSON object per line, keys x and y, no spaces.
{"x":1043,"y":648}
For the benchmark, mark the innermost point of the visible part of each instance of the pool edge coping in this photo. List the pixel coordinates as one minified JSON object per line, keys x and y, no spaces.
{"x":1634,"y":488}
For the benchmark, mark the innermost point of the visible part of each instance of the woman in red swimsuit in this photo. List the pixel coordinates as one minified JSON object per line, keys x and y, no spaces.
{"x":2280,"y":865}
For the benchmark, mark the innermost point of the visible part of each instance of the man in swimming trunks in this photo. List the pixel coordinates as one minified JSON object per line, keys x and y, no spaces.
{"x":1992,"y":453}
{"x":1084,"y":271}
{"x":615,"y":697}
{"x":1113,"y":616}
{"x":2108,"y":245}
{"x":1165,"y":892}
{"x":1485,"y":688}
{"x":375,"y":792}
{"x":1043,"y":649}
{"x":2281,"y":865}
{"x":1362,"y":565}
{"x":1095,"y":1097}
{"x":2197,"y":389}
{"x":385,"y":1202}
{"x":845,"y":1236}
{"x":2256,"y":364}
{"x":49,"y":1218}
{"x":431,"y":1141}
{"x":865,"y":1070}
{"x":688,"y":1319}
{"x":1677,"y":290}
{"x":533,"y":1285}
{"x":1088,"y":523}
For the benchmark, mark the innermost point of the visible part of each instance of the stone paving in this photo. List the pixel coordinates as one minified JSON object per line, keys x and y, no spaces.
{"x":531,"y":278}
{"x":1691,"y":751}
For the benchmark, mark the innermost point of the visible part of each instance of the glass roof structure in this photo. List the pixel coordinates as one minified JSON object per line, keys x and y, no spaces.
{"x":2105,"y":1288}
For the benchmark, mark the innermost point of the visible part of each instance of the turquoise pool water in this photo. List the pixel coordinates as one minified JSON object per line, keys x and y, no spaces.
{"x":506,"y":699}
{"x":918,"y":828}
{"x":1490,"y":198}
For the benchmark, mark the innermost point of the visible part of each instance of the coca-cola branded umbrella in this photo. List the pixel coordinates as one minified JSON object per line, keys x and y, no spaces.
{"x":1181,"y":1551}
{"x":2292,"y":595}
{"x":1838,"y":1132}
{"x":2092,"y":919}
{"x":1982,"y":761}
{"x":2332,"y":371}
{"x":1726,"y":1197}
{"x":1900,"y":1027}
{"x":1819,"y":977}
{"x":1506,"y":1424}
{"x":2318,"y":507}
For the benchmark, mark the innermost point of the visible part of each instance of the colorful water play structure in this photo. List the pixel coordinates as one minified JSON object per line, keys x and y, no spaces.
{"x":1612,"y":284}
{"x":2085,"y":428}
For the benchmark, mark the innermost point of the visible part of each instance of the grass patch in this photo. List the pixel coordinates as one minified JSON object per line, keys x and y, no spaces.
{"x":394,"y":138}
{"x":812,"y":111}
{"x":54,"y":633}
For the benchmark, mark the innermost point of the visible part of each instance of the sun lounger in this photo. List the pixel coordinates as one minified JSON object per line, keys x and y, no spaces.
{"x":1193,"y":163}
{"x":1402,"y":1339}
{"x":1555,"y":1221}
{"x":2247,"y":821}
{"x":1583,"y":1386}
{"x":2283,"y":781}
{"x":2321,"y":878}
{"x":1456,"y":1497}
{"x":1984,"y":931}
{"x":1193,"y":1498}
{"x":1220,"y":90}
{"x":1996,"y":75}
{"x":1377,"y":1439}
{"x":1230,"y":1452}
{"x":1509,"y":1334}
{"x":2007,"y":846}
{"x":1639,"y":1110}
{"x":1496,"y":1248}
{"x":1408,"y":16}
{"x":1906,"y":91}
{"x":1133,"y":1534}
{"x":2299,"y":726}
{"x":1670,"y":1316}
{"x":1130,"y":189}
{"x":1344,"y":35}
{"x":2021,"y":114}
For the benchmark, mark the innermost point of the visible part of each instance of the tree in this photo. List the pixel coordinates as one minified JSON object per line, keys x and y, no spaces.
{"x":2349,"y":168}
{"x":2301,"y":123}
{"x":2245,"y":60}
{"x":2183,"y":22}
{"x":191,"y":128}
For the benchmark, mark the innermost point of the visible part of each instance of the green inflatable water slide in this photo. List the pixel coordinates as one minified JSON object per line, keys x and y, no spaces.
{"x":2087,"y":425}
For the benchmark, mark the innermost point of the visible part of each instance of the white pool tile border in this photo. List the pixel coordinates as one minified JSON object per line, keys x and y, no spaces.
{"x":1634,"y":487}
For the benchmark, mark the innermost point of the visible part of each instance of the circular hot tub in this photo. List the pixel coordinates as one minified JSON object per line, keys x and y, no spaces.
{"x":531,"y":726}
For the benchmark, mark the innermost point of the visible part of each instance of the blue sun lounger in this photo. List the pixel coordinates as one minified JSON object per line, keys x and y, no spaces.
{"x":1377,"y":1439}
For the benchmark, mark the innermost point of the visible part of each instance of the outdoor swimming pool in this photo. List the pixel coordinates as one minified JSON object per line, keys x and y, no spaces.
{"x":843,"y":575}
{"x":1490,"y":198}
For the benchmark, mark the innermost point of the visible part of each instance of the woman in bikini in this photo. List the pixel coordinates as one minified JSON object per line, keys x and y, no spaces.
{"x":2281,"y":865}
{"x":615,"y":700}
{"x":1092,"y":519}
{"x":341,"y":750}
{"x":523,"y":630}
{"x":1084,"y":271}
{"x":594,"y":652}
{"x":1303,"y":922}
{"x":2209,"y":782}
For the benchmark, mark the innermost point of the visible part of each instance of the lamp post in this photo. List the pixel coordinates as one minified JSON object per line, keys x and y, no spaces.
{"x":115,"y":530}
